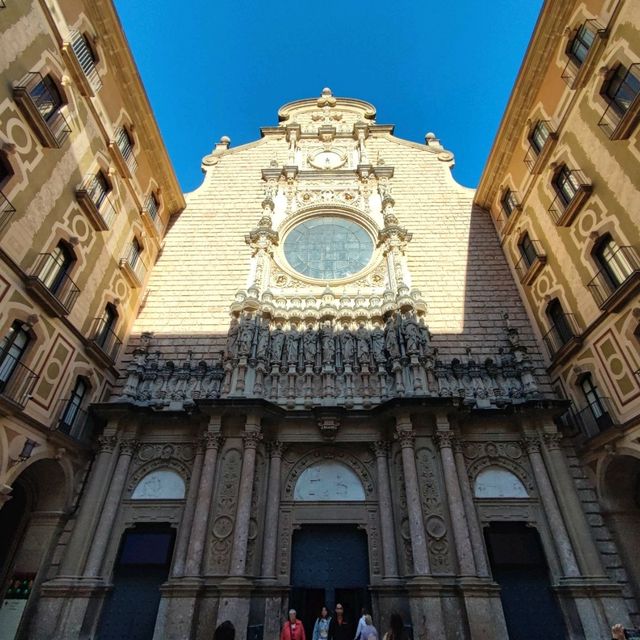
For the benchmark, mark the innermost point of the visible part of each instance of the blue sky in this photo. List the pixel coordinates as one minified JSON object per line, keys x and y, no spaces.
{"x":224,"y":67}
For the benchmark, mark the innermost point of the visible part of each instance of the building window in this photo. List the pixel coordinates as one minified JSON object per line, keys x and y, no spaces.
{"x":613,"y":261}
{"x":106,"y":326}
{"x":539,"y":136}
{"x":6,"y":171}
{"x":99,"y":189}
{"x":592,"y":397}
{"x":580,"y":45}
{"x":55,"y":269}
{"x":125,"y":143}
{"x":622,"y":88}
{"x":134,"y":253}
{"x":12,"y":348}
{"x":46,"y":96}
{"x":73,"y":406}
{"x":560,"y":323}
{"x":509,"y":202}
{"x":153,"y":206}
{"x":566,"y":184}
{"x":85,"y":54}
{"x":527,"y":250}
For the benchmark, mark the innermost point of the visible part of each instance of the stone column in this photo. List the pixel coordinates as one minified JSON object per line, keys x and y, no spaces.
{"x":186,"y":523}
{"x":271,"y":517}
{"x":406,"y":436}
{"x":459,"y":524}
{"x":104,"y":531}
{"x":91,"y":500}
{"x":475,"y":531}
{"x":251,"y":437}
{"x":387,"y":527}
{"x":556,"y":523}
{"x":212,"y":442}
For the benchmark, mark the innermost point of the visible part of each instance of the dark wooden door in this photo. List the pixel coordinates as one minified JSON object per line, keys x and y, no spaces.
{"x":142,"y":566}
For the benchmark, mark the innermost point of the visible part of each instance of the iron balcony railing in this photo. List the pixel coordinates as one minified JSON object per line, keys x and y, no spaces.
{"x":561,"y":333}
{"x":625,"y":108}
{"x":534,"y":154}
{"x":94,"y":188}
{"x":577,"y":186}
{"x":16,"y":380}
{"x":133,"y":259}
{"x":527,"y":260}
{"x":6,"y":211}
{"x":153,"y":211}
{"x":72,"y":420}
{"x":103,"y":336}
{"x":43,"y":108}
{"x":623,"y":264}
{"x":50,"y":272}
{"x":573,"y":69}
{"x":595,"y":418}
{"x":123,"y":142}
{"x":86,"y":59}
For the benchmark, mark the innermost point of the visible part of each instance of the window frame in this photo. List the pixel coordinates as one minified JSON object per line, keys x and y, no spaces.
{"x":619,"y":74}
{"x":16,"y":329}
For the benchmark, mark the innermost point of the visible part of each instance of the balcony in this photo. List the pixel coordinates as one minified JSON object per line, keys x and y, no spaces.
{"x":81,"y":61}
{"x":103,"y":345}
{"x":96,"y":204}
{"x":595,"y":418}
{"x":16,"y":384}
{"x":38,"y":106}
{"x":536,"y":159}
{"x":6,"y":211}
{"x":616,"y":282}
{"x":563,"y":211}
{"x":51,"y":286}
{"x":151,"y":217}
{"x":563,"y":339}
{"x":122,"y":153}
{"x":618,"y":122}
{"x":576,"y":72}
{"x":72,"y":421}
{"x":528,"y":267}
{"x":133,"y":268}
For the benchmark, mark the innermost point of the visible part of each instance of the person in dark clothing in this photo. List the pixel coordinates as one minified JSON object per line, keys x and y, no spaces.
{"x":226,"y":631}
{"x":396,"y":628}
{"x":340,"y":628}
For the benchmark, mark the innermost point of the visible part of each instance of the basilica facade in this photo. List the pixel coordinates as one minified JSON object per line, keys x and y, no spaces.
{"x":332,"y":394}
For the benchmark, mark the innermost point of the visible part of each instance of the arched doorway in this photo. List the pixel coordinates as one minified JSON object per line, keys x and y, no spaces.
{"x":621,"y":501}
{"x":329,"y":564}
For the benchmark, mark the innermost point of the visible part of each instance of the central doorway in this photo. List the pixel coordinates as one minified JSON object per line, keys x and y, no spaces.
{"x":329,"y":564}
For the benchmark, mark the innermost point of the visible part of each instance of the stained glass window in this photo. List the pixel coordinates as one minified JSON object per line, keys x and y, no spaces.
{"x":328,"y":248}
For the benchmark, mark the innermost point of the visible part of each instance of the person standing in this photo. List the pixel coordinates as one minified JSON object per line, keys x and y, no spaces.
{"x":369,"y":632}
{"x":293,"y":628}
{"x":321,"y":627}
{"x":361,"y":624}
{"x":340,"y":628}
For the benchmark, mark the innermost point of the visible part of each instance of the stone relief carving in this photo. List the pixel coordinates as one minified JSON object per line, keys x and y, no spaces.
{"x":402,"y":515}
{"x":253,"y":553}
{"x":161,"y":484}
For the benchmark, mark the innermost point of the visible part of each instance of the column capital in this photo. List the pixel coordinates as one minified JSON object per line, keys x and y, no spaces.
{"x":129,"y":447}
{"x":211,"y":440}
{"x":251,"y":439}
{"x":276,"y":448}
{"x":531,"y":443}
{"x":380,"y":448}
{"x":552,"y":440}
{"x":107,"y":443}
{"x":406,"y":438}
{"x":403,"y":422}
{"x":444,"y":439}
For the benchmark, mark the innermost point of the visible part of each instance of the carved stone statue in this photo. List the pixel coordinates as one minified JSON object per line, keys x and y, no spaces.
{"x":328,"y":344}
{"x":310,"y":344}
{"x":362,"y":345}
{"x":411,"y":335}
{"x":377,"y":344}
{"x":347,"y":345}
{"x":245,"y":340}
{"x":277,"y":344}
{"x":425,"y":336}
{"x":391,"y":339}
{"x":293,"y":343}
{"x":262,"y":347}
{"x":232,"y":338}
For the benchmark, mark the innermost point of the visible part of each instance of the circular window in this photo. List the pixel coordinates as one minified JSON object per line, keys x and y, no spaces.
{"x":328,"y":248}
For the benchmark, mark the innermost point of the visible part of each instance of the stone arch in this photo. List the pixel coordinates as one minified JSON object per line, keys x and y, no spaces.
{"x":497,"y":482}
{"x":479,"y":465}
{"x":162,"y":483}
{"x":318,"y":455}
{"x":334,"y":481}
{"x":170,"y":464}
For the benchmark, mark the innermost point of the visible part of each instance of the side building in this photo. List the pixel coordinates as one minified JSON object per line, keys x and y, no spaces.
{"x":563,"y":185}
{"x":86,"y":193}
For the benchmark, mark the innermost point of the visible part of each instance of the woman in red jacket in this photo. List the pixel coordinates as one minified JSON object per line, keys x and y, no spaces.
{"x":292,"y":628}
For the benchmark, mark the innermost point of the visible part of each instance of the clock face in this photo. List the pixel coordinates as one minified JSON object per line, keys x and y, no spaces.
{"x":328,"y":248}
{"x":327,"y":160}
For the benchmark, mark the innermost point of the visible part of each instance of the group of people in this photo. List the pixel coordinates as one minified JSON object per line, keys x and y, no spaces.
{"x":339,"y":627}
